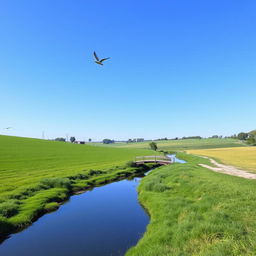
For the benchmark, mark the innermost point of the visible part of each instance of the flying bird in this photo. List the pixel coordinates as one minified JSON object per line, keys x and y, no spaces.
{"x":7,"y":128}
{"x":97,"y":60}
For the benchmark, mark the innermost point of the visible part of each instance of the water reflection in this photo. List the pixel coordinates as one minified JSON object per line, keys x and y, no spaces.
{"x":105,"y":221}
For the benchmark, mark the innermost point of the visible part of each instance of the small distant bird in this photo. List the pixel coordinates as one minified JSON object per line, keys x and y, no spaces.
{"x":7,"y":128}
{"x":97,"y":60}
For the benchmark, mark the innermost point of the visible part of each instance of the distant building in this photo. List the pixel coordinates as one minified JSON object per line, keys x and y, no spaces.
{"x":79,"y":142}
{"x":139,"y":140}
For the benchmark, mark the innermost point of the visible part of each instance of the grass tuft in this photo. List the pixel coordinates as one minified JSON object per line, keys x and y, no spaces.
{"x":9,"y":208}
{"x":55,"y":183}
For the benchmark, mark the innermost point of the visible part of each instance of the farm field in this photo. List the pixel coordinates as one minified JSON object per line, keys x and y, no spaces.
{"x":195,"y":211}
{"x":184,"y":144}
{"x":25,"y":161}
{"x":35,"y":174}
{"x":243,"y":157}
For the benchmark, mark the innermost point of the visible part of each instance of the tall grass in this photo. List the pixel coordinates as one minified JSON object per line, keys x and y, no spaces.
{"x":9,"y":208}
{"x":202,"y":213}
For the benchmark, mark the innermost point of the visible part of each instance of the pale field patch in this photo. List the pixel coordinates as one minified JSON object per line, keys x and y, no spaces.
{"x":243,"y":157}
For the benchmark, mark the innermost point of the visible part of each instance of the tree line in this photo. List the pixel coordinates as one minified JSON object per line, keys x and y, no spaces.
{"x":72,"y":139}
{"x":248,"y":137}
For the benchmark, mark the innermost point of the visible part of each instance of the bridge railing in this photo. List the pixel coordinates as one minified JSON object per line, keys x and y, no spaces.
{"x":152,"y":158}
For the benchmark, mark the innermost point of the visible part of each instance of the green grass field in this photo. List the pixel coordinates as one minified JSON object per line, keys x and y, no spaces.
{"x":36,"y":174}
{"x":197,"y":212}
{"x":174,"y":145}
{"x":193,"y":210}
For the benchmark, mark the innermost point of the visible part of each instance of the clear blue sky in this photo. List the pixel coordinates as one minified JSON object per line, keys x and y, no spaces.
{"x":177,"y":68}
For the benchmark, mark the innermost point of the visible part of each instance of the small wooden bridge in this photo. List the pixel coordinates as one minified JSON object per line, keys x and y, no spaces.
{"x":163,"y":160}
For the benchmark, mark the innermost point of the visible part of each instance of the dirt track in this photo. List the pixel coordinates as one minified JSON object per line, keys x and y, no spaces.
{"x":228,"y":169}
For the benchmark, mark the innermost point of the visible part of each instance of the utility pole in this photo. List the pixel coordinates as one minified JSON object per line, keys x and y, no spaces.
{"x":43,"y":135}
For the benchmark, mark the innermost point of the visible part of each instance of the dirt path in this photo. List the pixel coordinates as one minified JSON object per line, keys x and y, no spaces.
{"x":228,"y":169}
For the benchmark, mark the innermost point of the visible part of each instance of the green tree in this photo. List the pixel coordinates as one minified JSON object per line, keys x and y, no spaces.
{"x":72,"y":139}
{"x":108,"y":141}
{"x":242,"y":135}
{"x":153,"y":145}
{"x":253,"y":132}
{"x":251,"y":140}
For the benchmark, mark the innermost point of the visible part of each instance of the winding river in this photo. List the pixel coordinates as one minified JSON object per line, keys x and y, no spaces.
{"x":105,"y":221}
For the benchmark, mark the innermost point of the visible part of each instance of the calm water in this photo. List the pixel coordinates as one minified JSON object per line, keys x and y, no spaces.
{"x":105,"y":221}
{"x":176,"y":160}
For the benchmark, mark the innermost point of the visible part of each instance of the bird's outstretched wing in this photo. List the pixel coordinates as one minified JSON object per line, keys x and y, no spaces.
{"x":104,"y":59}
{"x":8,"y":128}
{"x":95,"y":55}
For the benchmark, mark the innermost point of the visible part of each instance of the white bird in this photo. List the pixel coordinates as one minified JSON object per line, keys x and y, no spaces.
{"x":97,"y":60}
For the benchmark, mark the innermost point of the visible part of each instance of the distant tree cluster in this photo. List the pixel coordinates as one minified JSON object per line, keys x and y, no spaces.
{"x":243,"y":135}
{"x":216,"y":137}
{"x":108,"y":141}
{"x":162,"y":139}
{"x":72,"y":140}
{"x":60,"y":139}
{"x":251,"y":140}
{"x":192,"y":137}
{"x":248,"y":137}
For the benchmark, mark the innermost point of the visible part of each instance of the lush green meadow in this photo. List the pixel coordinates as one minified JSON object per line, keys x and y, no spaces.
{"x":243,"y":157}
{"x":197,"y":212}
{"x":37,"y":174}
{"x":185,"y":144}
{"x":193,"y":210}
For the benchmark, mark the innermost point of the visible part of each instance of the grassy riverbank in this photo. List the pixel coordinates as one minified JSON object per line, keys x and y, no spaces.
{"x":197,"y":212}
{"x":243,"y":157}
{"x":36,"y":175}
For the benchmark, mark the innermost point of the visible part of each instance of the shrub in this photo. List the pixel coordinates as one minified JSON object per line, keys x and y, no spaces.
{"x":25,"y":193}
{"x":9,"y":208}
{"x":56,"y":183}
{"x":79,"y":176}
{"x":94,"y":172}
